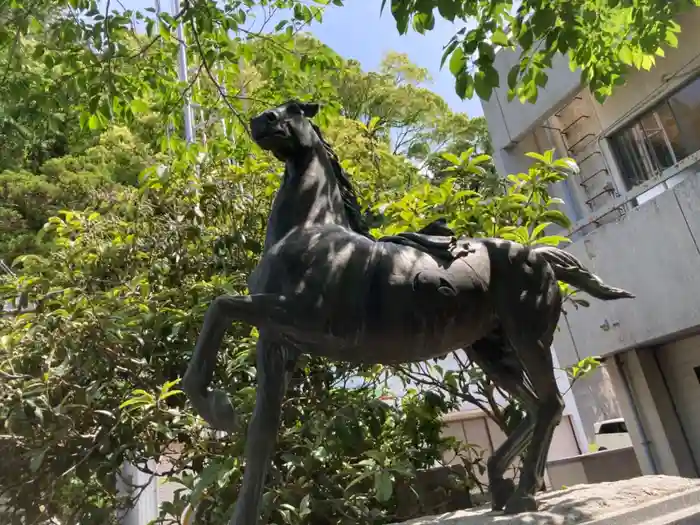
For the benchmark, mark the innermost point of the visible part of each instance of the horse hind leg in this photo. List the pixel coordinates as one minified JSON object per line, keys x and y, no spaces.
{"x":530,"y":314}
{"x":485,"y":354}
{"x":547,"y":417}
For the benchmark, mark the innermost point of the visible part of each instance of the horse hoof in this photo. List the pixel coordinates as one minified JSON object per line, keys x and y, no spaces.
{"x":221,"y":414}
{"x":521,"y":503}
{"x":501,"y":491}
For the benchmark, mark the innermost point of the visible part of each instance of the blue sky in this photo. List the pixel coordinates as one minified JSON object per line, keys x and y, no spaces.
{"x":357,"y":31}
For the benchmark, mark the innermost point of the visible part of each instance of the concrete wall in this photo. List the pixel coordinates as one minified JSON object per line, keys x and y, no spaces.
{"x":478,"y":430}
{"x":652,"y":252}
{"x":655,"y":429}
{"x":679,"y":362}
{"x":509,"y":121}
{"x":596,"y":399}
{"x":598,"y":467}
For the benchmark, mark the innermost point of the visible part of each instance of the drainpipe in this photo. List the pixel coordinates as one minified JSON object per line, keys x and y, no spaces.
{"x":636,"y":419}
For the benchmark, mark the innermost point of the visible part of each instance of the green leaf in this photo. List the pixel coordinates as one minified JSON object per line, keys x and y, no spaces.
{"x":552,"y":240}
{"x":626,"y":54}
{"x":480,"y":159}
{"x":135,"y":402}
{"x":525,"y":39}
{"x":671,"y":39}
{"x":500,"y":38}
{"x":451,"y":158}
{"x":37,"y":460}
{"x":207,"y":478}
{"x":448,"y":9}
{"x":139,"y":106}
{"x":482,"y":87}
{"x":423,"y":22}
{"x":359,"y":479}
{"x":538,"y":156}
{"x":376,"y":455}
{"x":383,"y":485}
{"x":374,"y":124}
{"x":513,"y":76}
{"x":305,"y":506}
{"x":567,"y":167}
{"x":647,"y":62}
{"x":464,"y":86}
{"x":457,"y":61}
{"x":539,"y":229}
{"x":557,"y":217}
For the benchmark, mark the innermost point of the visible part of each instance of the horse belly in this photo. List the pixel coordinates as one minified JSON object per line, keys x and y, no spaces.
{"x":426,"y":334}
{"x":421,"y":317}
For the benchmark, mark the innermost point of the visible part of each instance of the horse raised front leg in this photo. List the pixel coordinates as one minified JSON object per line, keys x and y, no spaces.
{"x":259,"y":310}
{"x":275,"y":366}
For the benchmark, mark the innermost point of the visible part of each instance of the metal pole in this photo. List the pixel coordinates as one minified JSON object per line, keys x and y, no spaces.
{"x":168,"y":128}
{"x":182,"y":74}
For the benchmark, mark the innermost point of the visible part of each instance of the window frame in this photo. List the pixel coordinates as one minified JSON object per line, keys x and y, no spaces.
{"x":655,"y":179}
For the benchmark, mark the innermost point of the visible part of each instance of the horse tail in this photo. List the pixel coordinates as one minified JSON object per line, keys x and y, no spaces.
{"x":569,"y":269}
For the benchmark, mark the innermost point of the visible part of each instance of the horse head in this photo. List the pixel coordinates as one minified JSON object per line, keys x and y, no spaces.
{"x":286,"y":130}
{"x":327,"y":194}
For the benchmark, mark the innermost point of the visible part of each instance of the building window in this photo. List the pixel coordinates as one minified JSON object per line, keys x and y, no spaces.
{"x":659,"y":138}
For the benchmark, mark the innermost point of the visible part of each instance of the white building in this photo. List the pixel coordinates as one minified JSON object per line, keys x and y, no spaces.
{"x":636,"y":208}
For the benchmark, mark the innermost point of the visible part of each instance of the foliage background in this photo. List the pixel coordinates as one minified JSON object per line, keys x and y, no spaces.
{"x":120,"y":233}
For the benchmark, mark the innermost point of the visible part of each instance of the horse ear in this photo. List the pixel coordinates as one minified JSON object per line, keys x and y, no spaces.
{"x":310,"y":109}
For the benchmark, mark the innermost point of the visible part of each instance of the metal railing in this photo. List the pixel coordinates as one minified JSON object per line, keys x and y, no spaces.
{"x":627,"y":197}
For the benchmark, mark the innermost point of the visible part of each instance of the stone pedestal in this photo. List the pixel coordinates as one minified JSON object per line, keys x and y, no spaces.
{"x":647,"y":500}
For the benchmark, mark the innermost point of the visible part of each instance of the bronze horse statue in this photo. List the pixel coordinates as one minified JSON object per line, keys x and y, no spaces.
{"x":324,"y":286}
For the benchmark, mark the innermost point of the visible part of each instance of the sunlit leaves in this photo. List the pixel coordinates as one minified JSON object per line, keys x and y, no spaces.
{"x":520,"y":213}
{"x":136,"y":256}
{"x":603,"y":39}
{"x":139,"y":230}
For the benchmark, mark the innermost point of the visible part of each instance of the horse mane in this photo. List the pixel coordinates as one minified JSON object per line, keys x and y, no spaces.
{"x":347,"y":192}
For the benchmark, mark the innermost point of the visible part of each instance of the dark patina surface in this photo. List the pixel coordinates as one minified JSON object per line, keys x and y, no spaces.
{"x":325,"y":287}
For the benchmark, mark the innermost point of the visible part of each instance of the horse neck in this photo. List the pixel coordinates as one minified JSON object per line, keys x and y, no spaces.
{"x":309,"y":195}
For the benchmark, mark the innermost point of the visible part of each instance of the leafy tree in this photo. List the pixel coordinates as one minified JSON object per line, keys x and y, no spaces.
{"x":91,"y":377}
{"x":29,"y":198}
{"x":139,"y":231}
{"x":605,"y":39}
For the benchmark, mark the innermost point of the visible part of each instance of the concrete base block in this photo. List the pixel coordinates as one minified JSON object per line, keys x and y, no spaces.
{"x":648,"y":500}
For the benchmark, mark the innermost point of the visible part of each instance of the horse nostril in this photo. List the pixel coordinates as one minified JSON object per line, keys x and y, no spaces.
{"x":270,"y":116}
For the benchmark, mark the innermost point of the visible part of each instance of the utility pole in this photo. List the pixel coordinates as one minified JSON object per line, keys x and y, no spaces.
{"x":182,"y":73}
{"x":130,"y":479}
